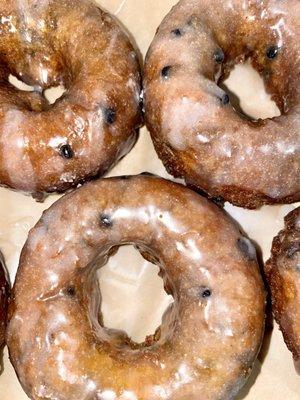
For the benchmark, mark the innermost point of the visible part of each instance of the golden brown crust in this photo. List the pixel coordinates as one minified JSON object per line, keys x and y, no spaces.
{"x":283,"y":275}
{"x":209,"y":338}
{"x":4,"y":293}
{"x":47,"y":43}
{"x":196,"y":133}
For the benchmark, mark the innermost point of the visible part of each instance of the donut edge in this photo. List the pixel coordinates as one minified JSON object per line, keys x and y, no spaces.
{"x":276,"y":284}
{"x":4,"y":285}
{"x":235,"y":195}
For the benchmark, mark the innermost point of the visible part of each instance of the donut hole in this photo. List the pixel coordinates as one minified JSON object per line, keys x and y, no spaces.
{"x":20,"y":85}
{"x":247,"y":93}
{"x":55,"y":93}
{"x":133,"y":296}
{"x":51,"y":94}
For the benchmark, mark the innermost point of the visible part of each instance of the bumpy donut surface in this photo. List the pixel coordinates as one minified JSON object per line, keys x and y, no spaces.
{"x":4,"y":293}
{"x":208,"y":339}
{"x":283,"y":274}
{"x":46,"y":43}
{"x":196,"y":132}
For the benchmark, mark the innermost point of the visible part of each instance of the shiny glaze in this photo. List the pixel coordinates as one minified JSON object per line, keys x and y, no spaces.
{"x":70,"y":43}
{"x":208,"y":339}
{"x":283,"y":274}
{"x":4,"y":293}
{"x":196,"y":132}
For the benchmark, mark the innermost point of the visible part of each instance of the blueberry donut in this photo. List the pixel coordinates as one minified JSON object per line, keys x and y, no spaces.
{"x":73,"y":43}
{"x":283,"y":275}
{"x":209,"y":337}
{"x":4,"y":293}
{"x":197,"y":133}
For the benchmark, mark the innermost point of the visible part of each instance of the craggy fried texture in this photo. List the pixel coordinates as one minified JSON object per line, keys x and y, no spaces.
{"x":283,"y":274}
{"x":46,"y":43}
{"x":195,"y":130}
{"x":209,"y":338}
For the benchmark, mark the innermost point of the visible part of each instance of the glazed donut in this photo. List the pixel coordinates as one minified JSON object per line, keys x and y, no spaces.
{"x":46,"y":43}
{"x":208,"y":339}
{"x":283,"y":275}
{"x":4,"y":293}
{"x":196,"y":132}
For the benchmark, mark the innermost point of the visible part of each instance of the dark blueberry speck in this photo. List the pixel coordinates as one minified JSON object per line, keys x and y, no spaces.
{"x":219,"y":201}
{"x":272,"y":52}
{"x":219,"y":56}
{"x":66,"y":151}
{"x":71,"y":291}
{"x":52,"y":337}
{"x":165,"y":72}
{"x":177,"y":32}
{"x":247,"y":248}
{"x":105,"y":221}
{"x":110,"y":115}
{"x":206,"y":293}
{"x":225,"y":99}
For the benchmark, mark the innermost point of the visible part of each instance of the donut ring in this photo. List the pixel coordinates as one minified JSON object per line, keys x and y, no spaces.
{"x":4,"y":293}
{"x":283,"y":275}
{"x":196,"y":132}
{"x":208,"y":339}
{"x":46,"y":148}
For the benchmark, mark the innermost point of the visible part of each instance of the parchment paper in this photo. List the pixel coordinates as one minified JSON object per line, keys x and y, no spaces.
{"x":128,"y":276}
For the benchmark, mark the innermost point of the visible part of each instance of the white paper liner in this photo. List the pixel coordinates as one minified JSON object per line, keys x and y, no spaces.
{"x":133,"y":297}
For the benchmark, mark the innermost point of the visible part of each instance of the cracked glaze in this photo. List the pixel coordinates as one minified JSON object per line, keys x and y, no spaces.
{"x":196,"y":131}
{"x":208,"y":339}
{"x":283,"y":274}
{"x":74,"y":44}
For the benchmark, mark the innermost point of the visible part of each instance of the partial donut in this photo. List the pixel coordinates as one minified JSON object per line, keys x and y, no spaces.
{"x":46,"y":148}
{"x":4,"y":293}
{"x":283,"y":275}
{"x":208,"y":339}
{"x":196,"y":132}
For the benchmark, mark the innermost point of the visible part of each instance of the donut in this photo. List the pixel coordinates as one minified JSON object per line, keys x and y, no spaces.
{"x":4,"y":293}
{"x":283,"y":275}
{"x":197,"y":133}
{"x":71,"y":43}
{"x":209,"y":337}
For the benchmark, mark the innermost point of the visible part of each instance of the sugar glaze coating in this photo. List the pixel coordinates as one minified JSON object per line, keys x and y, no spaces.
{"x":196,"y":132}
{"x":283,"y":274}
{"x":209,"y":338}
{"x":47,"y":43}
{"x":4,"y":294}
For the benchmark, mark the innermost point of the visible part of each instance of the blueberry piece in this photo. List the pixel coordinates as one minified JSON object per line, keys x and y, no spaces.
{"x":165,"y":72}
{"x":272,"y":52}
{"x":247,"y":248}
{"x":206,"y":293}
{"x":52,"y":337}
{"x":106,"y":221}
{"x":66,"y":151}
{"x":219,"y":201}
{"x":177,"y":32}
{"x":219,"y":56}
{"x":110,"y":115}
{"x":71,"y":291}
{"x":225,"y":99}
